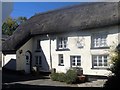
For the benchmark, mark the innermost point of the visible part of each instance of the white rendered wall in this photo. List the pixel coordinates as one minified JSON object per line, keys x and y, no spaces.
{"x":7,"y":58}
{"x":85,"y":53}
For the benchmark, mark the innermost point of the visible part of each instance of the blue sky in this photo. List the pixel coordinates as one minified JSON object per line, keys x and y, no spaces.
{"x":28,"y":9}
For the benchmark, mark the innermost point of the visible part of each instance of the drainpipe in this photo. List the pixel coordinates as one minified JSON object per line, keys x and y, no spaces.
{"x":50,"y":51}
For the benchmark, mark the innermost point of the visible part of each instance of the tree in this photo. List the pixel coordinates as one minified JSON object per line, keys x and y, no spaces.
{"x":10,"y":25}
{"x":114,"y":80}
{"x":21,"y":20}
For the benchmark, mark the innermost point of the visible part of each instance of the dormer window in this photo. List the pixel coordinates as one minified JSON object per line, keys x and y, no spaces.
{"x":99,"y":41}
{"x":62,"y":43}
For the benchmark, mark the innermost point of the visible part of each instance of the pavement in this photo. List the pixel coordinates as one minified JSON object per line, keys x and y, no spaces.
{"x":13,"y":80}
{"x":96,"y":83}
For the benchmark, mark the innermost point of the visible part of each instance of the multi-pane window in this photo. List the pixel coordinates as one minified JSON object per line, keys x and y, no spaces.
{"x":61,"y":60}
{"x":38,"y":44}
{"x":100,"y":41}
{"x":62,"y":43}
{"x":38,"y":61}
{"x":100,"y":61}
{"x":75,"y":61}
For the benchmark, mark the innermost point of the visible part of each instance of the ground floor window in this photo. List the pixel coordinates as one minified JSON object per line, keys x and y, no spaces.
{"x":61,"y":60}
{"x":100,"y":61}
{"x":75,"y":61}
{"x":38,"y":61}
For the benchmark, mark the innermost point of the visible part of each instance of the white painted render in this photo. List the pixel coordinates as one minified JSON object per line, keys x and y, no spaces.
{"x":6,"y":58}
{"x":86,"y":52}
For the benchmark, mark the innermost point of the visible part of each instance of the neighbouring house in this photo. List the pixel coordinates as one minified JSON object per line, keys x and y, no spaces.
{"x":76,"y":36}
{"x":9,"y":58}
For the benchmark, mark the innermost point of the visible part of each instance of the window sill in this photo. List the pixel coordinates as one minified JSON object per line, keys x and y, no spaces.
{"x":63,"y":49}
{"x":60,"y":65}
{"x":100,"y":48}
{"x":100,"y":68}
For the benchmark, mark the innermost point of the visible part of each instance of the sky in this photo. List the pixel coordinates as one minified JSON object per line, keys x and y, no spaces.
{"x":28,"y":9}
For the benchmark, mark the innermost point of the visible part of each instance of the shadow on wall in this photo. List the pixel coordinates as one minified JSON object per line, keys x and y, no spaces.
{"x":11,"y":65}
{"x":45,"y":62}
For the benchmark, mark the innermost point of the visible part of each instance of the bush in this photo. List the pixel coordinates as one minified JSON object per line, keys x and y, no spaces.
{"x":54,"y":76}
{"x":61,"y":77}
{"x":114,"y":80}
{"x":71,"y":76}
{"x":78,"y":70}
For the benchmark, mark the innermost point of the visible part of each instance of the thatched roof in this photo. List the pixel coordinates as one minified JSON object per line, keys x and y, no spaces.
{"x":79,"y":17}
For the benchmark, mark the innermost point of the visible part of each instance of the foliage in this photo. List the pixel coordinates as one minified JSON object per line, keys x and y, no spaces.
{"x":62,"y":77}
{"x":78,"y":70}
{"x":114,"y":80}
{"x":116,"y":63}
{"x":10,"y":25}
{"x":54,"y":76}
{"x":71,"y":76}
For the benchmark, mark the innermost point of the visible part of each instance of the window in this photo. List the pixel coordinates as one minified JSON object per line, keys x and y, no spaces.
{"x":99,"y":41}
{"x":38,"y":61}
{"x":61,"y":61}
{"x":38,"y":44}
{"x":62,"y":43}
{"x":75,"y":61}
{"x":100,"y":61}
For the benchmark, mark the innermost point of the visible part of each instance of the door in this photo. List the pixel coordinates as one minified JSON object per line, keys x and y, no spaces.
{"x":27,"y":62}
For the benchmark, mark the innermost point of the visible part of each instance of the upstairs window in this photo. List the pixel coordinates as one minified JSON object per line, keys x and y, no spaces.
{"x":99,"y":41}
{"x":62,"y":43}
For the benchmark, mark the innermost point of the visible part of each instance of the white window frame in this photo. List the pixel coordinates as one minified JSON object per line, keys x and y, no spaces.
{"x":74,"y":60}
{"x":100,"y":63}
{"x":61,"y":60}
{"x":99,"y":41}
{"x":62,"y":43}
{"x":38,"y":61}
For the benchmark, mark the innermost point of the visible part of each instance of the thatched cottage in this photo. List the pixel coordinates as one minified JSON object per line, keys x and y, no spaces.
{"x":76,"y":36}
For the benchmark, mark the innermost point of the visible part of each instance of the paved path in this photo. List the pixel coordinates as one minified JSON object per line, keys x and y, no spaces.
{"x":22,"y":80}
{"x":49,"y":82}
{"x":45,"y":82}
{"x":97,"y":83}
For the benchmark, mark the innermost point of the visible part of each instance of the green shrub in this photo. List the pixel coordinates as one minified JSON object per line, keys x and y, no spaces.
{"x":62,"y":77}
{"x":54,"y":76}
{"x":116,"y":63}
{"x":71,"y":76}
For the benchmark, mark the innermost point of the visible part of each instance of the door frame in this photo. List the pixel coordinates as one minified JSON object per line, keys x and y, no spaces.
{"x":30,"y":60}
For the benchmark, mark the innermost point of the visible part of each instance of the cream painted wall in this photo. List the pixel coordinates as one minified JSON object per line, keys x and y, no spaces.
{"x":21,"y":57}
{"x":85,"y":53}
